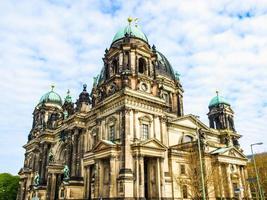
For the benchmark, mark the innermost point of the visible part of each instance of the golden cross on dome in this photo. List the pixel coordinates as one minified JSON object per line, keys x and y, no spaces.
{"x":130,"y":20}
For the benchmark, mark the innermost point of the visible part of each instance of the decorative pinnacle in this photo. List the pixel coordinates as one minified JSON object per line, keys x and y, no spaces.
{"x":84,"y":87}
{"x":52,"y":87}
{"x":68,"y":92}
{"x":217,"y":92}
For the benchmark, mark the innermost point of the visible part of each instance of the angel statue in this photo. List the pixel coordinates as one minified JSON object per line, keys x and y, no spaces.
{"x":36,"y":180}
{"x":66,"y":172}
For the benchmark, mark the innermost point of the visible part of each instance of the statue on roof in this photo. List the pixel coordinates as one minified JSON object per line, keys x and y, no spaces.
{"x":177,"y":76}
{"x":95,"y":80}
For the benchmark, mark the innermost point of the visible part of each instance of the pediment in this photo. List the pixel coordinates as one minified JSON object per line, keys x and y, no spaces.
{"x":229,"y":152}
{"x":103,"y":144}
{"x":189,"y":121}
{"x":153,"y":143}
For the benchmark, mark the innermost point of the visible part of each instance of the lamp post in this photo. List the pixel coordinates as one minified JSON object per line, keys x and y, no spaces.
{"x":200,"y":161}
{"x":256,"y":170}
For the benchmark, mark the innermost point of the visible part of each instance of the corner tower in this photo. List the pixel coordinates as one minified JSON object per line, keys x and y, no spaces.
{"x":221,"y":115}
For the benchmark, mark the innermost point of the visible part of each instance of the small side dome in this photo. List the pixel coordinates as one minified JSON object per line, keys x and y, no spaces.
{"x":218,"y":100}
{"x":51,"y":97}
{"x":68,"y":98}
{"x":131,"y":31}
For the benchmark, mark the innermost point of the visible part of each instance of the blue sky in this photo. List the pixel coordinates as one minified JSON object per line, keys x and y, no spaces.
{"x":214,"y":45}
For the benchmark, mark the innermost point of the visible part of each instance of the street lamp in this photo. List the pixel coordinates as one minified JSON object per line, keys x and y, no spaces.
{"x":200,"y":161}
{"x":256,"y":170}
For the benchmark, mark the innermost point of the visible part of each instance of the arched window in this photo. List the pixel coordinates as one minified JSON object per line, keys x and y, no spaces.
{"x":187,"y":138}
{"x":141,"y":65}
{"x":114,"y":67}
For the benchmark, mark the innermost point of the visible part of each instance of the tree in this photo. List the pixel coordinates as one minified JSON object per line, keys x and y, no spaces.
{"x":261,"y":162}
{"x":192,"y":177}
{"x":8,"y":186}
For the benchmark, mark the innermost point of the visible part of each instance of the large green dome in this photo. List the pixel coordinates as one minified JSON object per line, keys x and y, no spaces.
{"x":132,"y":31}
{"x":51,"y":97}
{"x":218,"y":100}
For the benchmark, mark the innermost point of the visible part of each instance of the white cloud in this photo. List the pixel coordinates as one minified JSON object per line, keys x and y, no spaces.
{"x":213,"y":44}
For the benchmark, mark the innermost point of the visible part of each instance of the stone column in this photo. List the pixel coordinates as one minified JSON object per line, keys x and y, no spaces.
{"x":137,"y":176}
{"x":141,"y":177}
{"x":126,"y":173}
{"x":245,"y":172}
{"x":120,"y":62}
{"x":51,"y":186}
{"x":74,"y":154}
{"x":162,"y":182}
{"x":44,"y":163}
{"x":229,"y":181}
{"x":221,"y":182}
{"x":96,"y":186}
{"x":113,"y":177}
{"x":158,"y":178}
{"x":240,"y":182}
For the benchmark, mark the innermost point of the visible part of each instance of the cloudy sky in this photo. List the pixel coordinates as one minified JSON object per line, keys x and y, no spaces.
{"x":214,"y":45}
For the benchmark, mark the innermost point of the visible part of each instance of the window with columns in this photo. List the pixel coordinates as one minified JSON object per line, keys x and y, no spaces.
{"x":112,"y":132}
{"x":111,"y":127}
{"x":145,"y":131}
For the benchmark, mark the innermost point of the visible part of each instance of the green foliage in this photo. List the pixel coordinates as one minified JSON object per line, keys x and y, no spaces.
{"x":8,"y":186}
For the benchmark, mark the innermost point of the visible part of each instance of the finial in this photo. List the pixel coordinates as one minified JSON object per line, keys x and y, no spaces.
{"x":52,"y":87}
{"x":84,"y":87}
{"x":130,"y":20}
{"x":68,"y":92}
{"x":217,"y":93}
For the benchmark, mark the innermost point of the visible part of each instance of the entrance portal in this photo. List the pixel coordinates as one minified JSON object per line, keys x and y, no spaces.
{"x":150,"y":178}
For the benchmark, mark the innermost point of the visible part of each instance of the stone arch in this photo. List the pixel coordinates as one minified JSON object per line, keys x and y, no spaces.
{"x":60,"y":152}
{"x":142,"y":66}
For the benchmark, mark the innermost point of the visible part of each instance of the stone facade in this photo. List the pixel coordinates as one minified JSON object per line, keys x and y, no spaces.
{"x":129,"y":138}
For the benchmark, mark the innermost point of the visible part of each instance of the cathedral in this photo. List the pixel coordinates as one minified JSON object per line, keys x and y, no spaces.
{"x":128,"y":138}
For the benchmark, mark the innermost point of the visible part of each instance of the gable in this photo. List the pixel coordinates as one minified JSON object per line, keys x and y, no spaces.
{"x":153,"y":143}
{"x":229,"y":152}
{"x":189,"y":121}
{"x":103,"y":144}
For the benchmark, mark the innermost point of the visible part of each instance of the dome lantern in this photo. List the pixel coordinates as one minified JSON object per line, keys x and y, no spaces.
{"x":130,"y":31}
